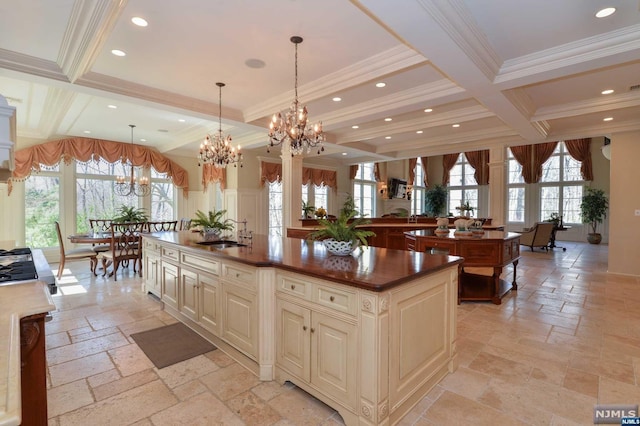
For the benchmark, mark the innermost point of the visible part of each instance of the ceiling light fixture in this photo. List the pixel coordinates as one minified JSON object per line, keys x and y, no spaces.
{"x":112,"y":106}
{"x":455,"y":125}
{"x":428,"y":110}
{"x":387,"y":137}
{"x":381,"y":84}
{"x":138,"y":187}
{"x":607,"y":11}
{"x":336,"y":99}
{"x":607,"y":92}
{"x":141,"y":22}
{"x":118,"y":52}
{"x":388,"y":119}
{"x":419,"y":132}
{"x":607,"y":119}
{"x":292,"y":128}
{"x":217,"y":150}
{"x":355,"y":127}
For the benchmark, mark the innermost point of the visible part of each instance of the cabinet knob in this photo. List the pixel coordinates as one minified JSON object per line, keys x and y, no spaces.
{"x":332,"y":298}
{"x":293,"y":286}
{"x":304,"y":327}
{"x":237,"y":275}
{"x":313,"y":330}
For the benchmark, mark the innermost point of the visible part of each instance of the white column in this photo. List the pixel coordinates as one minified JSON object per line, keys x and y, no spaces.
{"x":291,"y":188}
{"x":497,"y":186}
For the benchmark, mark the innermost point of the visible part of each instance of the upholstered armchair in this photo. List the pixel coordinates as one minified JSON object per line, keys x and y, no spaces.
{"x":538,"y":235}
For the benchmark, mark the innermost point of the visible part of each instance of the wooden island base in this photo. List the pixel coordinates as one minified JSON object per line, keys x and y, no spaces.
{"x":476,"y":287}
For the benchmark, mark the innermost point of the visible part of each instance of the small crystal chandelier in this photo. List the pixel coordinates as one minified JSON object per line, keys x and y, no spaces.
{"x":292,"y":127}
{"x":217,"y":150}
{"x":125,"y":188}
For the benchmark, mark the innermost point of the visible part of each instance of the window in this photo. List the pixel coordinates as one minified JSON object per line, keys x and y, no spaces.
{"x":275,"y":209}
{"x":95,"y":198}
{"x":162,"y":197}
{"x":417,"y":193}
{"x":317,"y":196}
{"x":364,"y":190}
{"x":42,"y":208}
{"x":561,"y":186}
{"x":515,"y":190}
{"x":463,"y":187}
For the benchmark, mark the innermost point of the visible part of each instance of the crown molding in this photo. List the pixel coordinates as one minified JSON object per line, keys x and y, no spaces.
{"x":594,"y":105}
{"x":56,"y":106}
{"x":392,"y":60}
{"x":581,"y":55}
{"x":31,"y":65}
{"x":597,"y":129}
{"x":89,"y":27}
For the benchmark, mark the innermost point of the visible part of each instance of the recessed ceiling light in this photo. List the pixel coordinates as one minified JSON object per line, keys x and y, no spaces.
{"x":87,"y":131}
{"x":143,"y":140}
{"x":607,"y":92}
{"x":336,"y":99}
{"x":381,"y":84}
{"x":355,"y":127}
{"x":141,"y":22}
{"x":388,"y":119}
{"x":163,"y":130}
{"x":118,"y":52}
{"x":344,"y":153}
{"x":182,"y":120}
{"x":419,"y":132}
{"x":428,"y":110}
{"x":387,"y":137}
{"x":607,"y":11}
{"x":255,"y":63}
{"x":456,"y":125}
{"x":112,"y":106}
{"x":607,"y":119}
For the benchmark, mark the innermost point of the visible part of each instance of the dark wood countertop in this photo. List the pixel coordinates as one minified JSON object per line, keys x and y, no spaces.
{"x":488,"y":235}
{"x":375,"y":269}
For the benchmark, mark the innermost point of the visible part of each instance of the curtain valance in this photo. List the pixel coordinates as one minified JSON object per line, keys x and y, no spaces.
{"x":86,"y":149}
{"x":272,"y":172}
{"x":213,"y":174}
{"x":531,"y":158}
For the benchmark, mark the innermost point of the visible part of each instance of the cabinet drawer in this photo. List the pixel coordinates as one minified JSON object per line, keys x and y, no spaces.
{"x":338,"y":299}
{"x":239,"y":274}
{"x":211,"y":266}
{"x":294,"y":287}
{"x":444,"y":245}
{"x":151,"y":245}
{"x":170,"y":253}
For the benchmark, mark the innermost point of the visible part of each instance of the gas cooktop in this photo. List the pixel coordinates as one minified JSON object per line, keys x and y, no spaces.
{"x":23,"y":264}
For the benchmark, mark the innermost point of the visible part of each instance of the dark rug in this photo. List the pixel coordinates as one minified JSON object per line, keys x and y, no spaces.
{"x":170,"y":344}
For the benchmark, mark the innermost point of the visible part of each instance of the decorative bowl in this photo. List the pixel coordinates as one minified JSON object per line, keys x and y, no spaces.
{"x":339,"y":248}
{"x":211,"y":234}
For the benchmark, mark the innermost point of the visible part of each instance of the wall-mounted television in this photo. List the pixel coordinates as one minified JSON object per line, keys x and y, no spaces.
{"x":397,"y":188}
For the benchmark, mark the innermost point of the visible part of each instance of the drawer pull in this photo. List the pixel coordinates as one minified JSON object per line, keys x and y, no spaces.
{"x":313,"y":330}
{"x":304,"y":328}
{"x":293,"y":286}
{"x":332,"y":298}
{"x":237,"y":275}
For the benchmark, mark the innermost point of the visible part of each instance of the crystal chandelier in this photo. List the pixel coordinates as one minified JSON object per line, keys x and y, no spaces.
{"x":292,"y":128}
{"x":217,"y":150}
{"x":125,"y":188}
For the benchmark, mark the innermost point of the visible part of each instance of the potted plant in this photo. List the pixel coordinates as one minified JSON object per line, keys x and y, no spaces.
{"x":593,"y":209}
{"x":212,"y":223}
{"x":307,"y":210}
{"x":435,"y":200}
{"x":128,"y":214}
{"x":342,"y":235}
{"x":555,"y":218}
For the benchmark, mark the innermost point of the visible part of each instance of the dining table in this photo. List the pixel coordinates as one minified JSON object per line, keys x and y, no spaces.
{"x":91,"y":238}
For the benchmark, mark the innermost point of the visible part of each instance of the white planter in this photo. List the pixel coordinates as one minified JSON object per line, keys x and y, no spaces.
{"x":339,"y":248}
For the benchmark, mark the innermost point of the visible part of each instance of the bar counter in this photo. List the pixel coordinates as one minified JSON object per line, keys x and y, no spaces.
{"x":375,"y":268}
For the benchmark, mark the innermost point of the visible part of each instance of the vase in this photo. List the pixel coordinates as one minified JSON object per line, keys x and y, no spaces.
{"x":211,"y":234}
{"x":339,"y":248}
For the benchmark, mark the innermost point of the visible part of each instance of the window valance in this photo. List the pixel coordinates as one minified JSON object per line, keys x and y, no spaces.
{"x":86,"y":149}
{"x":213,"y":174}
{"x":272,"y":172}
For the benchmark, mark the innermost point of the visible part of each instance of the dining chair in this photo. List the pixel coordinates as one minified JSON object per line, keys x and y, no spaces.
{"x":74,"y":254}
{"x":126,"y":246}
{"x":97,"y":226}
{"x":185,"y":224}
{"x":168,"y":225}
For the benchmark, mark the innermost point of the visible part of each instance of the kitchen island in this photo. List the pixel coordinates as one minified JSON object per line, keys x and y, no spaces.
{"x":368,"y":334}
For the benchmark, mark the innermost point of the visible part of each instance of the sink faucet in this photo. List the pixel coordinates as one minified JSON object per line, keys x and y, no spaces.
{"x":244,"y":236}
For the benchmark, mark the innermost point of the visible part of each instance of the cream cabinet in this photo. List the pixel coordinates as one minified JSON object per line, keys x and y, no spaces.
{"x":240,"y":307}
{"x":189,"y":294}
{"x":151,"y":268}
{"x":170,"y":280}
{"x":209,"y":303}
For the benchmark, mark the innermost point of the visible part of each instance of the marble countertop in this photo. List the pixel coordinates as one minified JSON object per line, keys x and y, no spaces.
{"x":375,"y":268}
{"x":16,"y":302}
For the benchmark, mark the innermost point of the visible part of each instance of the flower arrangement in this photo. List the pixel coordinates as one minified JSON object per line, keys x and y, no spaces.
{"x":321,"y":212}
{"x":465,"y":209}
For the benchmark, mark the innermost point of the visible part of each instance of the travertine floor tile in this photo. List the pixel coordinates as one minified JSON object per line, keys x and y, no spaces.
{"x":203,"y":409}
{"x":130,"y":359}
{"x":68,"y":397}
{"x":121,"y":385}
{"x":85,"y":348}
{"x":186,"y":371}
{"x":230,"y":381}
{"x":80,"y":368}
{"x":252,"y":409}
{"x":453,"y":409}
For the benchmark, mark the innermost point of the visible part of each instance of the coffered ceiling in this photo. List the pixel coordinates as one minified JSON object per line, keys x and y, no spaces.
{"x":504,"y":71}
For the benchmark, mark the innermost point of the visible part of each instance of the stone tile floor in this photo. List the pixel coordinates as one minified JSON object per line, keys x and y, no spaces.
{"x":568,"y":339}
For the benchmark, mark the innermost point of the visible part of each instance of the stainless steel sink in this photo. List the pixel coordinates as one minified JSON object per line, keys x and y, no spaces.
{"x":222,"y":243}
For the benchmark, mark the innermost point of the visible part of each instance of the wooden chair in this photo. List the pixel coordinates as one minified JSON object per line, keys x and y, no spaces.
{"x":538,"y":236}
{"x":126,"y":245}
{"x":185,"y":224}
{"x":169,"y":225}
{"x":74,"y":254}
{"x":100,"y":225}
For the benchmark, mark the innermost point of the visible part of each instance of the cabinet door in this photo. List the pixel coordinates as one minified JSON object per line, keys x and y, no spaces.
{"x":293,"y":338}
{"x":170,"y":280}
{"x":333,"y":357}
{"x":152,"y":281}
{"x":189,"y":294}
{"x":240,"y":318}
{"x":209,"y":308}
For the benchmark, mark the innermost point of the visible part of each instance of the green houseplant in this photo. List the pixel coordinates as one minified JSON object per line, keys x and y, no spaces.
{"x":307,"y":210}
{"x":593,"y":209}
{"x":344,"y":229}
{"x":212,"y":223}
{"x":126,"y":214}
{"x":435,"y":200}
